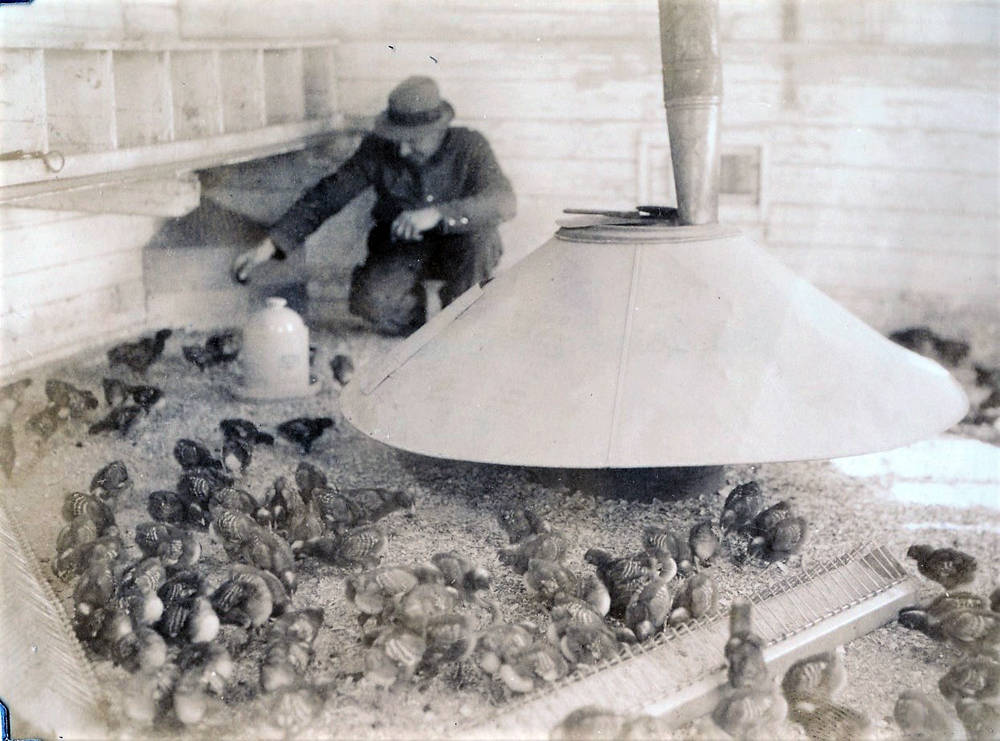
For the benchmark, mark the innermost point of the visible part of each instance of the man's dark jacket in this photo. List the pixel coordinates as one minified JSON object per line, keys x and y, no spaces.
{"x":462,"y":179}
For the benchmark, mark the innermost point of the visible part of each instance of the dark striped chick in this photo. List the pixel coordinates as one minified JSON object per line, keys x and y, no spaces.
{"x":818,"y":678}
{"x":649,"y":608}
{"x":394,"y":657}
{"x":742,"y":505}
{"x":972,"y":677}
{"x":450,"y":637}
{"x":751,"y":712}
{"x":120,"y":419}
{"x":550,"y":546}
{"x":304,"y":431}
{"x":141,"y":650}
{"x":703,"y":541}
{"x":696,"y":599}
{"x":243,"y":429}
{"x":924,"y":718}
{"x":236,"y":455}
{"x":533,"y":666}
{"x":665,"y":545}
{"x":189,"y":621}
{"x":243,"y":599}
{"x":111,"y":481}
{"x":192,"y":454}
{"x":949,"y":567}
{"x":78,"y":503}
{"x":499,"y":643}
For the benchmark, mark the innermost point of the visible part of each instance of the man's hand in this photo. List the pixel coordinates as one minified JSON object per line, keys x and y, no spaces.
{"x":246,"y":261}
{"x":411,"y":225}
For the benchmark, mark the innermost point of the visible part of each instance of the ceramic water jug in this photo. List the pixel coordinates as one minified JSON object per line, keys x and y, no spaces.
{"x":275,"y":354}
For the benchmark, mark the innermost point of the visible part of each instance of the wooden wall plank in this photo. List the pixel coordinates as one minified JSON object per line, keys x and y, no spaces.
{"x":22,"y":107}
{"x":889,"y":272}
{"x":272,"y":20}
{"x":141,"y":105}
{"x":284,"y":98}
{"x":891,"y":148}
{"x":39,"y":287}
{"x":41,"y":24}
{"x":242,"y":90}
{"x":878,"y":190}
{"x":27,"y":246}
{"x":195,"y":93}
{"x":56,"y":330}
{"x":885,"y":230}
{"x":78,"y":100}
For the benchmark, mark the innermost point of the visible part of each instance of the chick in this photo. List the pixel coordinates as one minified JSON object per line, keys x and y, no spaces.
{"x":924,"y":718}
{"x":236,"y":455}
{"x":829,"y":722}
{"x":973,"y":677}
{"x":376,"y":590}
{"x":111,"y":481}
{"x":243,"y":429}
{"x":767,"y":519}
{"x":697,"y":598}
{"x":755,"y":712}
{"x":293,"y":709}
{"x":12,"y":394}
{"x":301,"y":626}
{"x":373,"y":503}
{"x":624,"y":576}
{"x":517,"y":523}
{"x":595,"y":593}
{"x":587,"y":722}
{"x":742,"y":505}
{"x":269,"y":552}
{"x":980,"y":719}
{"x":192,"y":454}
{"x":95,"y":588}
{"x":664,"y":544}
{"x":192,"y":620}
{"x":362,"y":548}
{"x":177,"y":547}
{"x":545,"y":580}
{"x":115,"y":391}
{"x":342,"y":368}
{"x":450,"y":637}
{"x":394,"y":657}
{"x":243,"y":599}
{"x":971,"y":631}
{"x":703,"y":541}
{"x":192,"y":702}
{"x":588,"y":643}
{"x":648,"y":610}
{"x":120,"y":419}
{"x":304,"y":431}
{"x":571,"y":611}
{"x":138,"y":356}
{"x":283,"y":665}
{"x":784,"y":539}
{"x":499,"y":643}
{"x":166,"y":506}
{"x":45,"y":423}
{"x":744,"y":649}
{"x":473,"y":582}
{"x":995,"y":600}
{"x":141,"y":650}
{"x":947,"y":566}
{"x":149,"y":697}
{"x":181,"y":586}
{"x":308,"y":479}
{"x":232,"y":498}
{"x":817,"y":679}
{"x":533,"y":665}
{"x":145,"y":577}
{"x":146,"y":398}
{"x":304,"y":525}
{"x":946,"y":602}
{"x":65,"y":395}
{"x":425,"y":602}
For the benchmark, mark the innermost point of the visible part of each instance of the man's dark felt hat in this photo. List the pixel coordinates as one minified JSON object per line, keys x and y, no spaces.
{"x":415,"y":108}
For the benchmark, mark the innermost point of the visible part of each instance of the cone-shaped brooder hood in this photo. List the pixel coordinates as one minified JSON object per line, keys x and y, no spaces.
{"x":637,"y":344}
{"x":644,"y":345}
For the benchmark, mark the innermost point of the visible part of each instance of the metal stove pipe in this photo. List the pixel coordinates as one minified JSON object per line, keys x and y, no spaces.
{"x":692,"y":94}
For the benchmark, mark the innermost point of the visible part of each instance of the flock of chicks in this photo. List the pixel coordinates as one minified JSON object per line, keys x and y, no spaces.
{"x":753,"y":705}
{"x":158,"y":614}
{"x":413,"y":619}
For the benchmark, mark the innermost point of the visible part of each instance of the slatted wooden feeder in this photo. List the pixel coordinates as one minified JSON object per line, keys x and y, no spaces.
{"x":631,"y":341}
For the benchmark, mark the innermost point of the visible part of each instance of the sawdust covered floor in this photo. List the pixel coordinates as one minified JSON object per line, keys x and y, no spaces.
{"x":456,"y":506}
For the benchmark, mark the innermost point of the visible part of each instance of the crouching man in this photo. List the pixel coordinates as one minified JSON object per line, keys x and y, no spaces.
{"x":440,"y":196}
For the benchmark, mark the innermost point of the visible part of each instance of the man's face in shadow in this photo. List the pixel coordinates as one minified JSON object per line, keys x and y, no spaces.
{"x":418,"y":148}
